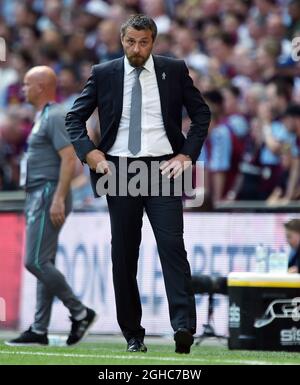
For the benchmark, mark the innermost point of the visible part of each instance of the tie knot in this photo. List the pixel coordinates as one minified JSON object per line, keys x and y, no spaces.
{"x":138,"y":71}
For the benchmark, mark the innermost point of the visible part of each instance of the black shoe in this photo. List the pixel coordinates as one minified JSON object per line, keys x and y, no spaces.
{"x":135,"y":345}
{"x":183,"y":341}
{"x":29,"y":338}
{"x":80,"y":328}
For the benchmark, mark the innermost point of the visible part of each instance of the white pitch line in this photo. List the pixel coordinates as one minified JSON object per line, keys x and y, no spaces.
{"x":146,"y":357}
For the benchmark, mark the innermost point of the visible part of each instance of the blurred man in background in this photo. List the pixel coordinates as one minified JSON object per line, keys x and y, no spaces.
{"x":292,"y":232}
{"x":46,"y":172}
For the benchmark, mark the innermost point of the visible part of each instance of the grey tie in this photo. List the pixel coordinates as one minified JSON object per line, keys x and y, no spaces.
{"x":135,"y":123}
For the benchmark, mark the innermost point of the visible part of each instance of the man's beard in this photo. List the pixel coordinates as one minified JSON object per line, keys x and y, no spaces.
{"x":137,"y":61}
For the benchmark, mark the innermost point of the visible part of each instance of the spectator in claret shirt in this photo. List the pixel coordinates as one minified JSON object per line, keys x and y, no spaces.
{"x":221,"y":48}
{"x":108,"y":45}
{"x":274,"y":137}
{"x":217,"y":150}
{"x":20,"y":60}
{"x":68,"y":86}
{"x":248,"y":182}
{"x":234,"y":116}
{"x":187,"y":48}
{"x":239,"y":129}
{"x":279,"y":94}
{"x":267,"y":54}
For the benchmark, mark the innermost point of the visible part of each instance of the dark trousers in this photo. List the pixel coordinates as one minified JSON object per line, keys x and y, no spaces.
{"x":166,"y":218}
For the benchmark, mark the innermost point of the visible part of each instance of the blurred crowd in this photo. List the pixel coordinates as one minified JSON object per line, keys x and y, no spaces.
{"x":240,"y":54}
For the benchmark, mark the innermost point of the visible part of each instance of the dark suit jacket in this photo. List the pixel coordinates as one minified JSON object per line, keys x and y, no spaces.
{"x":295,"y":260}
{"x":104,"y":90}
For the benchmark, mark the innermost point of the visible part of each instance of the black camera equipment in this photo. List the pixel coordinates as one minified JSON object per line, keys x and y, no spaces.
{"x":204,"y":284}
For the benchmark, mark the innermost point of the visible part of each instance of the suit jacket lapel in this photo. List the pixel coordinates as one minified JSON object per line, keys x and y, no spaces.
{"x":162,"y":82}
{"x":118,"y":88}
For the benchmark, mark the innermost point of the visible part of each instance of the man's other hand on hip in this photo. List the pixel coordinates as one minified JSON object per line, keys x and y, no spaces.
{"x":97,"y":162}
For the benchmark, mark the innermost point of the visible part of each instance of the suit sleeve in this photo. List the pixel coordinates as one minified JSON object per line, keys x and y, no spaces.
{"x":199,"y":114}
{"x":76,"y":118}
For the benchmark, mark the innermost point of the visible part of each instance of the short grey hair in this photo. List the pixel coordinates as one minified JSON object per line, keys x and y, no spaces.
{"x":140,"y":22}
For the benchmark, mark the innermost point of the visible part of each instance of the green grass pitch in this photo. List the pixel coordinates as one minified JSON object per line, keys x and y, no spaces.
{"x":114,"y":353}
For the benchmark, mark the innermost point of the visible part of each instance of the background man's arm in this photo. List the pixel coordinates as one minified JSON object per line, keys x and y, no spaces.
{"x":66,"y":173}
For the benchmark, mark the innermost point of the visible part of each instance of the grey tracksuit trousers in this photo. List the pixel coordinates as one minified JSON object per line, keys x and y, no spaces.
{"x":41,"y":247}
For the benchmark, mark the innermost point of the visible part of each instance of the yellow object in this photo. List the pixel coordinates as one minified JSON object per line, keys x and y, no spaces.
{"x":264,"y":280}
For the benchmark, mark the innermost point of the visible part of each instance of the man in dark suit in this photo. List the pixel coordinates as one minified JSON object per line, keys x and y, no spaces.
{"x":140,"y":99}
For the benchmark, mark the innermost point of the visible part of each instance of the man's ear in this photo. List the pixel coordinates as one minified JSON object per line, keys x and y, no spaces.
{"x":41,"y":87}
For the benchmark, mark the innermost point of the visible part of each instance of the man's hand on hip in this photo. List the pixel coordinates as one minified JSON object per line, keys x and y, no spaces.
{"x":175,"y":166}
{"x":97,"y":162}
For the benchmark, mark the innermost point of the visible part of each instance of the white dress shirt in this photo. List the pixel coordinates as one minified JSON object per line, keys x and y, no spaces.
{"x":154,"y":140}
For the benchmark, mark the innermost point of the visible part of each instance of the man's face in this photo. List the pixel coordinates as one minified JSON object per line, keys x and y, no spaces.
{"x":293,"y":238}
{"x":137,"y":46}
{"x":67,"y":82}
{"x":31,"y":89}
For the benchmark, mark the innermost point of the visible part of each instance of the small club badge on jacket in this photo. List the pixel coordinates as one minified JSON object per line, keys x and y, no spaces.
{"x":163,"y":76}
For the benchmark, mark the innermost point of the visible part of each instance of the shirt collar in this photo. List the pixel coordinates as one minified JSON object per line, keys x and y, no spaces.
{"x":149,"y":65}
